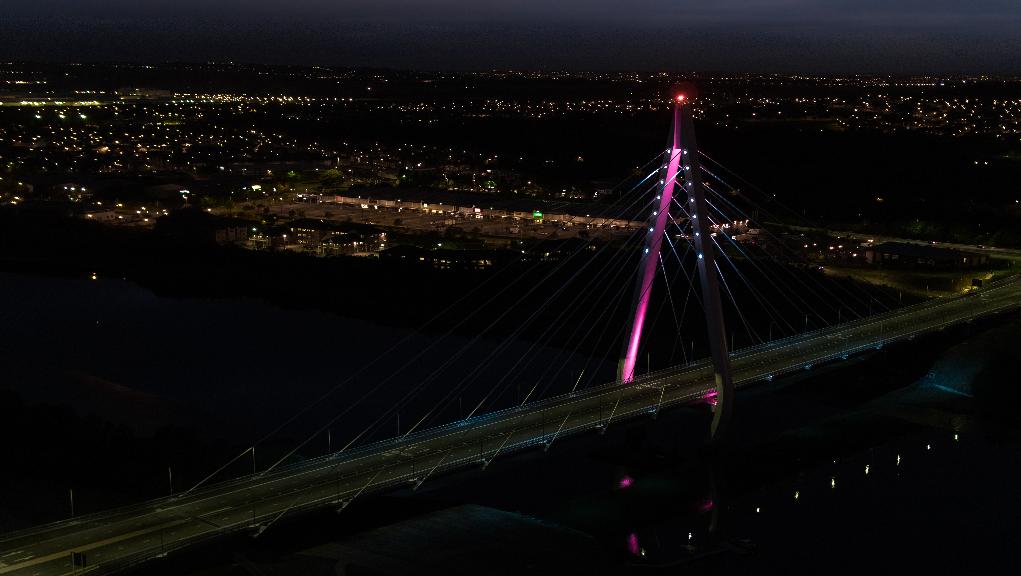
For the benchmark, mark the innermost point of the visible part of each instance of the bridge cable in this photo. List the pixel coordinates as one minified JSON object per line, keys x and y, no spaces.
{"x":423,"y":351}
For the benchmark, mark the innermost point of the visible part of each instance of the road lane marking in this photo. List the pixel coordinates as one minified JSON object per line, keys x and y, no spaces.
{"x":87,"y":547}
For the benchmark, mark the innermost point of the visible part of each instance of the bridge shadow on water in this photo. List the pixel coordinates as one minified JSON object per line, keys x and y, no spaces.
{"x":892,"y":461}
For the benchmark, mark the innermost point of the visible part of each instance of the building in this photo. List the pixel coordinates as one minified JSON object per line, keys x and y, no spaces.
{"x":905,"y":255}
{"x":101,"y":216}
{"x":328,"y":238}
{"x":447,"y":259}
{"x":195,"y":225}
{"x":468,"y":205}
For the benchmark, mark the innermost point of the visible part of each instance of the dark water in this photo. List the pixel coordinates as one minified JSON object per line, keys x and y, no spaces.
{"x":908,"y":460}
{"x":905,"y":460}
{"x":113,"y":385}
{"x":235,"y":369}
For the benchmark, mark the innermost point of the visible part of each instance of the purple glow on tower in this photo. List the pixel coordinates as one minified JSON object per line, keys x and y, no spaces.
{"x":626,"y":482}
{"x":651,"y":256}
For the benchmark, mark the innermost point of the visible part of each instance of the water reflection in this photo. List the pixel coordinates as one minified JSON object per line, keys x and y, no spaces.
{"x":707,"y":527}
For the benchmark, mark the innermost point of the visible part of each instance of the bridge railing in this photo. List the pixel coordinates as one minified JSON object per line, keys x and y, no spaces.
{"x":527,"y":429}
{"x":586,"y":409}
{"x":168,"y":501}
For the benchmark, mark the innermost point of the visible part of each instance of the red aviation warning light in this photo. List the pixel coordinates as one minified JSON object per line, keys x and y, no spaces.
{"x":684,"y":92}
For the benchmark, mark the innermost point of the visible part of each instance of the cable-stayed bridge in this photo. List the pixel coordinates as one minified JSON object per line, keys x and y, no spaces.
{"x":121,"y":538}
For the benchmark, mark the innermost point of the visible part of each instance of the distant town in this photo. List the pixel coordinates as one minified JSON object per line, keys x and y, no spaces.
{"x":343,"y":163}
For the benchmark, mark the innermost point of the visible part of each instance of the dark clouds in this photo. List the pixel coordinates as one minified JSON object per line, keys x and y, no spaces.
{"x":776,"y":35}
{"x":520,"y":10}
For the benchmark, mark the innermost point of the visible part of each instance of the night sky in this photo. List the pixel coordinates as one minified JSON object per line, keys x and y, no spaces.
{"x":911,"y":36}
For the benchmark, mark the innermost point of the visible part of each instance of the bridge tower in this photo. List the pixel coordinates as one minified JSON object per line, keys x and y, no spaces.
{"x":682,"y":168}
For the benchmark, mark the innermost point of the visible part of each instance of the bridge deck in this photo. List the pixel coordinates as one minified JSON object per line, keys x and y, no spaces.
{"x":120,"y":538}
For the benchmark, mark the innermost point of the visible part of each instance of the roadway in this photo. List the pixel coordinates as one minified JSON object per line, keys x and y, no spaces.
{"x":1012,"y":254}
{"x":128,"y":536}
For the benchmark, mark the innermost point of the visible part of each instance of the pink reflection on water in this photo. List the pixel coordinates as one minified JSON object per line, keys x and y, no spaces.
{"x":632,"y":544}
{"x":626,"y":482}
{"x":706,"y":505}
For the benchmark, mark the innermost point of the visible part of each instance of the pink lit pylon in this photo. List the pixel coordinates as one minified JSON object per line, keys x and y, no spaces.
{"x":650,"y":253}
{"x":683,"y":165}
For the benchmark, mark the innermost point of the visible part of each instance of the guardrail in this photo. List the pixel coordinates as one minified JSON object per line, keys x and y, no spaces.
{"x":528,"y":425}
